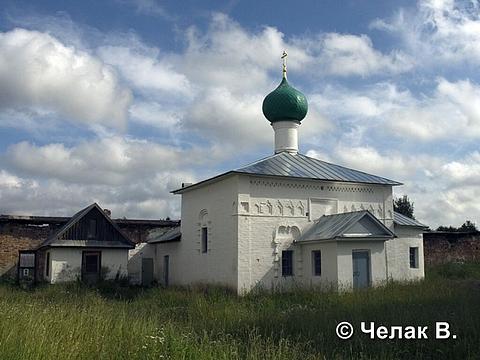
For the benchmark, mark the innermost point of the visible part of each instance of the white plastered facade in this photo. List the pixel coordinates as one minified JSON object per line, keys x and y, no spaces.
{"x":66,"y":264}
{"x":399,"y":265}
{"x":252,"y":219}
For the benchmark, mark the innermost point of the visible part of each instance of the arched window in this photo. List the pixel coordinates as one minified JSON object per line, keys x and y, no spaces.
{"x":204,"y":231}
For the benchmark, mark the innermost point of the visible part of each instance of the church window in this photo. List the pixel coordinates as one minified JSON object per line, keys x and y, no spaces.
{"x":317,"y":262}
{"x":287,"y":263}
{"x":204,"y":240}
{"x":414,"y":257}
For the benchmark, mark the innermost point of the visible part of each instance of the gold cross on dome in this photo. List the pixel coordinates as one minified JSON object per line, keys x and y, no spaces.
{"x":284,"y":58}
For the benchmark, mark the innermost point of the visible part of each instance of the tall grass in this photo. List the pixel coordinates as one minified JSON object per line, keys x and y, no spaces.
{"x":112,"y":322}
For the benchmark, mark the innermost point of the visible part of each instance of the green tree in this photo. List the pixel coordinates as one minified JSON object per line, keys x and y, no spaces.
{"x":404,"y":206}
{"x":447,"y":228}
{"x":468,"y":226}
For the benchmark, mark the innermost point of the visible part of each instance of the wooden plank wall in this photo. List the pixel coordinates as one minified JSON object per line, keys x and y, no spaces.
{"x":104,"y":229}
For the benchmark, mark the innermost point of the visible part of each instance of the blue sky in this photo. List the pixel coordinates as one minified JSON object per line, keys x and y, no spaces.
{"x":121,"y":101}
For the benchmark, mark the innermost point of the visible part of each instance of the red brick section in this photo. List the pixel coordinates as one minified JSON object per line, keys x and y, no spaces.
{"x":440,"y":248}
{"x":9,"y":247}
{"x":15,"y":236}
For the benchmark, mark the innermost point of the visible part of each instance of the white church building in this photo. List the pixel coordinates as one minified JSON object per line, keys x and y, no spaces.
{"x":287,"y":220}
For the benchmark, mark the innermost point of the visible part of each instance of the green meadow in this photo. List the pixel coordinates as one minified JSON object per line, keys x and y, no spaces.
{"x":115,"y":322}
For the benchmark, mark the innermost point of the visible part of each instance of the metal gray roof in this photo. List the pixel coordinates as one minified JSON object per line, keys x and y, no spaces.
{"x":170,"y":235}
{"x":297,"y":165}
{"x":302,"y":166}
{"x":400,"y":219}
{"x":337,"y":226}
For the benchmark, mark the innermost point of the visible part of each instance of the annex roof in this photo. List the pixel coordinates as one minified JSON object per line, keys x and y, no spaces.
{"x":170,"y":235}
{"x":285,"y":164}
{"x":347,"y":226}
{"x":56,"y":241}
{"x":402,"y":220}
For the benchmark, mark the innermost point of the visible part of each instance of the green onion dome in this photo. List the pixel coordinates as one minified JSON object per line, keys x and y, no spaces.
{"x":285,"y":103}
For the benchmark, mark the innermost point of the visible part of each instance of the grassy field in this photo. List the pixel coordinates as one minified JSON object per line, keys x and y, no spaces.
{"x":74,"y":322}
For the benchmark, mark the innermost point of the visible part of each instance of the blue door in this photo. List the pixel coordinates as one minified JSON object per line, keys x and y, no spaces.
{"x":361,"y":269}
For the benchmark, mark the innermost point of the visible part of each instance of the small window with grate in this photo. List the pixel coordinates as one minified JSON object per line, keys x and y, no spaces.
{"x":317,"y":262}
{"x":204,"y":240}
{"x":27,"y":260}
{"x":414,"y":257}
{"x":287,"y":263}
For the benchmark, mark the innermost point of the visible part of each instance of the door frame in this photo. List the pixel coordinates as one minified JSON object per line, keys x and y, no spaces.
{"x":99,"y":263}
{"x":151,"y":275}
{"x":369,"y":267}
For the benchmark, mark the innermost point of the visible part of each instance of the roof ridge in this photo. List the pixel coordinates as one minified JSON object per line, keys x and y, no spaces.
{"x":257,"y":161}
{"x":347,"y":168}
{"x":345,"y":213}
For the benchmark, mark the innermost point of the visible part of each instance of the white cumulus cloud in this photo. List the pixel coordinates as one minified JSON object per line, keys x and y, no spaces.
{"x":438,"y":32}
{"x":38,"y":71}
{"x":346,"y":54}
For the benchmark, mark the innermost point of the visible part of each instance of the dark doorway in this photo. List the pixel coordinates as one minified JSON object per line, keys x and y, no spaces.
{"x":27,"y":267}
{"x":361,"y":269}
{"x":91,"y":266}
{"x":166,"y":269}
{"x":147,"y":271}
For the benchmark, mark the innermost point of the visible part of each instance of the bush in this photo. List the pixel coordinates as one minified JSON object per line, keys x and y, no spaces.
{"x":455,"y":270}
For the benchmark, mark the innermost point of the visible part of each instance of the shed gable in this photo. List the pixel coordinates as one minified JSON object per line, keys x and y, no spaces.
{"x":93,"y":225}
{"x":365,"y":227}
{"x":89,"y":227}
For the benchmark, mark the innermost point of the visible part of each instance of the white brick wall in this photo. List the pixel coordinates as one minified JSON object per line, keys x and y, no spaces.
{"x":269,"y":206}
{"x":398,"y":254}
{"x":251,"y":219}
{"x":376,"y":249}
{"x":188,"y":265}
{"x":66,"y":263}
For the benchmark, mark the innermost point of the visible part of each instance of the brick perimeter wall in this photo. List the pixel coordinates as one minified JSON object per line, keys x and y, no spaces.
{"x":15,"y":237}
{"x":443,"y":248}
{"x":136,"y":233}
{"x":9,"y":248}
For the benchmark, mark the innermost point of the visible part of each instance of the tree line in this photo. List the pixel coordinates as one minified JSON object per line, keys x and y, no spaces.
{"x":405,"y":206}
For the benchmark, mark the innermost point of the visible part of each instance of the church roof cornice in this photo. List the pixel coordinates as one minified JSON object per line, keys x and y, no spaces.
{"x":299,"y":166}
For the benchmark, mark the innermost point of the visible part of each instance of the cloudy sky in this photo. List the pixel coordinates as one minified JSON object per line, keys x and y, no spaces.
{"x":120,"y":101}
